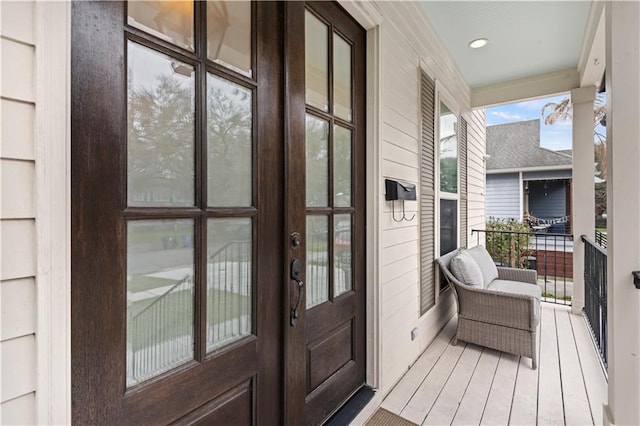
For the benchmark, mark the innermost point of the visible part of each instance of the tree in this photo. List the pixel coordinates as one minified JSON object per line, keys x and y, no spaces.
{"x":229,"y":143}
{"x":563,"y":111}
{"x":558,"y":112}
{"x":161,"y":141}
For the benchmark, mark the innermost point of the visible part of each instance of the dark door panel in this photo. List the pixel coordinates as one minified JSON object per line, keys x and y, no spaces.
{"x":332,"y":211}
{"x":176,"y":279}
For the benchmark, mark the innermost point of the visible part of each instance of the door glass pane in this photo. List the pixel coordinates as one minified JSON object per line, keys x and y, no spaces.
{"x":229,"y":143}
{"x":229,"y":281}
{"x":316,"y":62}
{"x":317,"y":260}
{"x":160,"y":297}
{"x":169,"y":20}
{"x":317,"y":148}
{"x":342,"y":254}
{"x":229,"y":34}
{"x":341,"y":167}
{"x":341,"y":77}
{"x":448,"y":150}
{"x":160,"y":134}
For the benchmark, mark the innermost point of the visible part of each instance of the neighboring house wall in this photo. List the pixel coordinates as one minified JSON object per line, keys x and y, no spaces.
{"x":503,"y":196}
{"x":407,"y":43}
{"x":548,"y":174}
{"x":18,"y":213}
{"x":549,"y":202}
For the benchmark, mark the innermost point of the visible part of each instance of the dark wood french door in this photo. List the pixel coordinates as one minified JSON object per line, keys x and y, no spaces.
{"x":327,"y":358}
{"x":217,"y":212}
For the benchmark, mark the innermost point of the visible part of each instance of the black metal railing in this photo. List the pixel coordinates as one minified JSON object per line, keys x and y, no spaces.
{"x":601,"y":239}
{"x":550,"y":254}
{"x":595,"y":293}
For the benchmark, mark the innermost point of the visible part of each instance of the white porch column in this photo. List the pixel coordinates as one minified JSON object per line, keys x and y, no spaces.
{"x":583,"y":208}
{"x":623,"y":211}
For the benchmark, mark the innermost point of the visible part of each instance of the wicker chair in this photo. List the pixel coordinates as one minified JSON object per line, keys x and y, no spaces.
{"x":505,"y":321}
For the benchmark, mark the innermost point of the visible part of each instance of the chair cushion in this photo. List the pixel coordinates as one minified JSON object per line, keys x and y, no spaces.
{"x":466,"y":269}
{"x":485,"y":262}
{"x":516,"y":287}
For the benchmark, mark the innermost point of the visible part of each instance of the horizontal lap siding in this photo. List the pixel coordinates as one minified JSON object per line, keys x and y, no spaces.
{"x":17,"y":214}
{"x":464,"y":200}
{"x":503,"y":196}
{"x":408,"y":44}
{"x":476,"y":135}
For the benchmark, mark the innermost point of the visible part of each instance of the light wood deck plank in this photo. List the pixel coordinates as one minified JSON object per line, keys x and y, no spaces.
{"x":550,"y":406}
{"x":576,"y":404}
{"x":426,"y":395}
{"x":594,"y":378}
{"x":501,"y":394}
{"x":468,"y":385}
{"x":407,"y":386}
{"x":524,"y":407}
{"x":444,"y":409}
{"x":475,"y":398}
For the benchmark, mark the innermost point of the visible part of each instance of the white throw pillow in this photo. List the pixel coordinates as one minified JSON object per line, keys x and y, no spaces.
{"x":485,"y":262}
{"x":466,"y":269}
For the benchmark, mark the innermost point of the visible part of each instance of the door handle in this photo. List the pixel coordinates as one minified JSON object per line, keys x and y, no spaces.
{"x":296,"y":275}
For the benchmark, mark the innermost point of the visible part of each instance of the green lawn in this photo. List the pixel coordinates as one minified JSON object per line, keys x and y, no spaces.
{"x":173,"y":316}
{"x":139,"y":283}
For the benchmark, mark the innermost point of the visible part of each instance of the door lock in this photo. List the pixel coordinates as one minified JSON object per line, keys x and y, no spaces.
{"x":296,"y":275}
{"x":296,"y":240}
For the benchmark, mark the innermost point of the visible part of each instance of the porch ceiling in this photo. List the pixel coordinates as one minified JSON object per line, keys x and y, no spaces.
{"x":526,"y":38}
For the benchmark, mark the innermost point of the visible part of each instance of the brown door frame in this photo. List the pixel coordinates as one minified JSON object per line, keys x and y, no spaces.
{"x":295,"y":206}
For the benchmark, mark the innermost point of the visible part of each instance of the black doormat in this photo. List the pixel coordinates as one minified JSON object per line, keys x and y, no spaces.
{"x":351,"y":408}
{"x":383,"y":417}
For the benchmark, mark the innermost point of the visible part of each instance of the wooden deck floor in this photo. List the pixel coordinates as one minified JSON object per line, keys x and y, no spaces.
{"x":467,"y":384}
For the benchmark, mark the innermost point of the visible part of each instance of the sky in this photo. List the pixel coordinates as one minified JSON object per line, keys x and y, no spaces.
{"x":556,"y":137}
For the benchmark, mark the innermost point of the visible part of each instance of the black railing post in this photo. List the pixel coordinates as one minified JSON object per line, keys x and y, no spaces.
{"x":595,"y":287}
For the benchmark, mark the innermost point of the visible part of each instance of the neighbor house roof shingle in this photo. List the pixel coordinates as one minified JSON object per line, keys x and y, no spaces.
{"x":517,"y":146}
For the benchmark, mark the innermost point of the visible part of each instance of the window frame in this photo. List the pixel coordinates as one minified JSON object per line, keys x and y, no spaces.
{"x":443,"y":96}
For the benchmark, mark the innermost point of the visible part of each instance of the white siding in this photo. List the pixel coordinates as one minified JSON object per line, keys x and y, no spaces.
{"x":476,"y":133}
{"x":503,"y":196}
{"x":18,"y":308}
{"x":17,"y":214}
{"x":408,"y":44}
{"x":19,"y":410}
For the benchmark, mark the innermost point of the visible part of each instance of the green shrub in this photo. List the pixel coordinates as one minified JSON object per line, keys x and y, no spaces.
{"x":508,"y":249}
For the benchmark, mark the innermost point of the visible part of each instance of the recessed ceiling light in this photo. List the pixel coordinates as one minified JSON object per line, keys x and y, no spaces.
{"x":478,"y":43}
